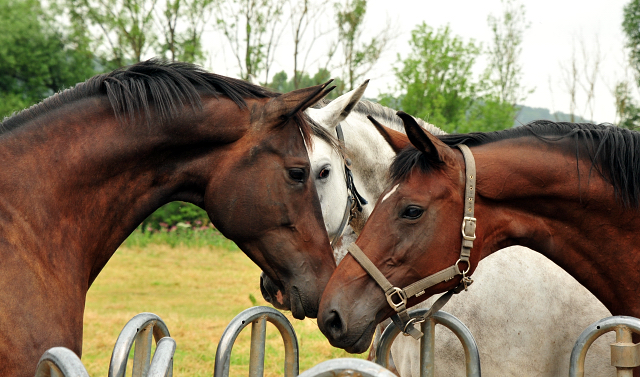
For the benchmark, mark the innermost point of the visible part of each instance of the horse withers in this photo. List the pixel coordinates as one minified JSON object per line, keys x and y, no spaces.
{"x":568,"y":191}
{"x":86,"y":166}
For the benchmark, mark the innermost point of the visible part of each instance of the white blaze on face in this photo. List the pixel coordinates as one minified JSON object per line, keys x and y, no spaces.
{"x":390,"y":192}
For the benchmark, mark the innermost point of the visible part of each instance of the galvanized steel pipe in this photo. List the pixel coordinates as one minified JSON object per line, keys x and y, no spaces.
{"x":348,"y":367}
{"x":259,"y":315}
{"x":622,"y":325}
{"x":138,"y":330}
{"x":427,"y":342}
{"x":60,"y":362}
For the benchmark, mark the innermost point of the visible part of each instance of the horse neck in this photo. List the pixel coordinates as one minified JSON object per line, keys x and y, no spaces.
{"x":532,"y":194}
{"x":80,"y":182}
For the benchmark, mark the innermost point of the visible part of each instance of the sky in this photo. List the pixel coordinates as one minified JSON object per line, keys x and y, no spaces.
{"x":557,"y":29}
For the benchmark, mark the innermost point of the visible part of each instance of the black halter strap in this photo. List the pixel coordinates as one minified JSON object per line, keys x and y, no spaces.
{"x":398,"y":297}
{"x":355,"y":201}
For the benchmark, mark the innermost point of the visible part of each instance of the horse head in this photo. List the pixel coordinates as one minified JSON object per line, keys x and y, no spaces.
{"x":406,"y":237}
{"x":329,"y":176}
{"x":262,"y":196}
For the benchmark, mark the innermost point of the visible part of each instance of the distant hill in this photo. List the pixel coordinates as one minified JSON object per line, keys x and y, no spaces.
{"x":528,"y":114}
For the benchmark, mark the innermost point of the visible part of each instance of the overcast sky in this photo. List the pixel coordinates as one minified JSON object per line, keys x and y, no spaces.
{"x":556,"y":26}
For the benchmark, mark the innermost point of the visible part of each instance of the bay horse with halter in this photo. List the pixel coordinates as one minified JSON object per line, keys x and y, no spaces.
{"x":83,"y":168}
{"x":557,"y":307}
{"x":568,"y":191}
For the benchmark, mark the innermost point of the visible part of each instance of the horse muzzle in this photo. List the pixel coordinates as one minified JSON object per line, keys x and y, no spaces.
{"x":292,"y":301}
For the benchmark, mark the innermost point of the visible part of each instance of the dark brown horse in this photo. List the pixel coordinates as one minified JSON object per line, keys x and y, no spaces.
{"x":82,"y":169}
{"x":568,"y":191}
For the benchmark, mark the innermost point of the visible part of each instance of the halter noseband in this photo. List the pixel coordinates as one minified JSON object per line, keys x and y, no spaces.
{"x":355,"y":201}
{"x":398,"y":297}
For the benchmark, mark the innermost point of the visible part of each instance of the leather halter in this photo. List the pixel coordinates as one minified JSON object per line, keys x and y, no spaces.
{"x":398,"y":297}
{"x":355,"y":201}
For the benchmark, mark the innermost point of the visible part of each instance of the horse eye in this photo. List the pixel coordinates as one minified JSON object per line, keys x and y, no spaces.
{"x":324,"y":173}
{"x":297,"y":174}
{"x":412,"y":212}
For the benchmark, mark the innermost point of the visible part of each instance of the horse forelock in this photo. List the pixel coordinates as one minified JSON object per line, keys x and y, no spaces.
{"x":168,"y":87}
{"x":612,"y":151}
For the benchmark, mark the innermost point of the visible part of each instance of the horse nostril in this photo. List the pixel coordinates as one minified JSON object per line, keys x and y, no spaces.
{"x":335,"y":326}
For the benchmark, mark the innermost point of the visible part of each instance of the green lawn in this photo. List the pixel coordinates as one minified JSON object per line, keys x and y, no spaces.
{"x":196,"y":290}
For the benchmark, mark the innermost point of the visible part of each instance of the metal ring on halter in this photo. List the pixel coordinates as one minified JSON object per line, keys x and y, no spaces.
{"x":412,"y":321}
{"x":458,"y":268}
{"x":401,"y":295}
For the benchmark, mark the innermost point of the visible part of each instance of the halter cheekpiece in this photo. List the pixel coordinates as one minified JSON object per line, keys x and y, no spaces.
{"x":398,"y":297}
{"x":355,"y":201}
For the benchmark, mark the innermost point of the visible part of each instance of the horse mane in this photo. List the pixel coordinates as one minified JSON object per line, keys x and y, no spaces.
{"x":132,"y":90}
{"x":612,"y":151}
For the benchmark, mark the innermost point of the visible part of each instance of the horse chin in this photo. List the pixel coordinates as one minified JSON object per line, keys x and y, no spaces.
{"x":297,"y":307}
{"x":364,"y":342}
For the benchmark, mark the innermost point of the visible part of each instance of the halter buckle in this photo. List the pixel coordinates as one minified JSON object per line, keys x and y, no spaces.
{"x":471,"y":223}
{"x":402,"y":296}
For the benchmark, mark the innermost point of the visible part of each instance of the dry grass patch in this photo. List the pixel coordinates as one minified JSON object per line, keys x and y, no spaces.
{"x":196,"y":291}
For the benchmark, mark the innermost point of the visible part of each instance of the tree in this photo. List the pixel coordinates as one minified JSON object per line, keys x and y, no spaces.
{"x":358,"y":56}
{"x":435,"y":81}
{"x":305,"y":16}
{"x":631,"y":28}
{"x":126,"y":27}
{"x":504,"y":69}
{"x":36,"y":59}
{"x":627,"y":112}
{"x":181,"y":26}
{"x":281,"y":83}
{"x":253,"y":29}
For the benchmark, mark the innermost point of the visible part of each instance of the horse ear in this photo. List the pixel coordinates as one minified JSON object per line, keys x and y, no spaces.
{"x":397,"y":140}
{"x":340,"y":108}
{"x":283,"y":107}
{"x":424,"y":141}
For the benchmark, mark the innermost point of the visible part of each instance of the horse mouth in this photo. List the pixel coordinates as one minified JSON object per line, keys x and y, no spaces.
{"x":271,"y":293}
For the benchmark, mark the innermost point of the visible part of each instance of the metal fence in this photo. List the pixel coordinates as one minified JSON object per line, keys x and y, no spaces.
{"x":427,"y":342}
{"x":624,"y":354}
{"x":62,"y":362}
{"x":258,"y":317}
{"x":143,"y":328}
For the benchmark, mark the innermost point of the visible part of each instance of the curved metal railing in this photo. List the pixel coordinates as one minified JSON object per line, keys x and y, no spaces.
{"x":348,"y":367}
{"x":624,"y":354}
{"x":258,"y":316}
{"x":427,"y":342}
{"x":139,"y":330}
{"x":60,"y":362}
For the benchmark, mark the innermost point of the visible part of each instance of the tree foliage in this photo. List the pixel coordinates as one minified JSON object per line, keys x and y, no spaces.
{"x":123,"y":32}
{"x":36,"y":59}
{"x":631,"y":28}
{"x":627,"y":111}
{"x":436,"y":79}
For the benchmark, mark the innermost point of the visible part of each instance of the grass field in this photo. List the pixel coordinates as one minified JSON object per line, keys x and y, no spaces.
{"x":196,"y":289}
